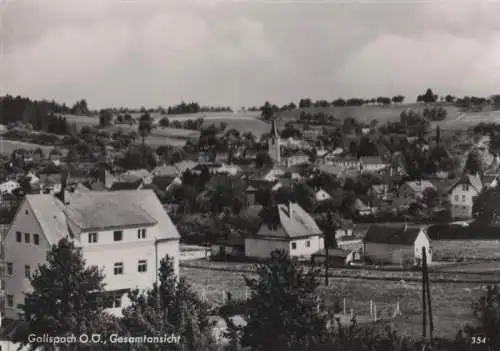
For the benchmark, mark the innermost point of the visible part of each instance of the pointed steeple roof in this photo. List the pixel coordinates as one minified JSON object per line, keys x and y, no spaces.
{"x":274,"y":129}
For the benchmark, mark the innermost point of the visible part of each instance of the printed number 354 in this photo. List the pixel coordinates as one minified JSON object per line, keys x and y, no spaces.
{"x":479,"y":340}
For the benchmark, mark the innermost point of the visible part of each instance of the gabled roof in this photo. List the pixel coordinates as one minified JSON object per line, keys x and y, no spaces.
{"x":166,"y":170}
{"x":392,"y":235}
{"x":132,"y":185}
{"x":294,"y":222}
{"x":372,"y":160}
{"x":420,"y":185}
{"x":98,"y":211}
{"x":185,"y":165}
{"x":471,"y":180}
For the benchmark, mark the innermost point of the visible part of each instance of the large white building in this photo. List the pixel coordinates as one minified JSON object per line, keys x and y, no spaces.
{"x":125,"y":233}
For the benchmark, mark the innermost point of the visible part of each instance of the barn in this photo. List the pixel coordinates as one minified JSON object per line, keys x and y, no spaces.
{"x":384,"y":244}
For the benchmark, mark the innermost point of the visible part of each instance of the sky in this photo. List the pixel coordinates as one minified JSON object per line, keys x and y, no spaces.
{"x":148,"y":53}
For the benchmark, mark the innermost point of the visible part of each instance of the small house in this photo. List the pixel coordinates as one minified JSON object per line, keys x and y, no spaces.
{"x":396,"y":245}
{"x":286,"y":227}
{"x":462,"y":195}
{"x":412,"y":191}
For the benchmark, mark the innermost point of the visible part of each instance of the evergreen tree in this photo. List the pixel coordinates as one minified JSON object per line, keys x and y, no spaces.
{"x":66,"y":299}
{"x":281,"y":312}
{"x":175,"y":310}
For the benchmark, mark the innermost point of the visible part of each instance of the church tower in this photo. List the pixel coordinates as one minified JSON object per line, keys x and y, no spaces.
{"x":273,"y":144}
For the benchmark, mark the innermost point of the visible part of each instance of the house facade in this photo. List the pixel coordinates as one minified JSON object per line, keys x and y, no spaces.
{"x":462,"y":195}
{"x":124,"y":233}
{"x":396,"y":245}
{"x":293,"y":231}
{"x":410,"y":192}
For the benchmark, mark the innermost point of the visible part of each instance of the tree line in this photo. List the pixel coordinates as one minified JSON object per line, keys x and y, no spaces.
{"x":194,"y":107}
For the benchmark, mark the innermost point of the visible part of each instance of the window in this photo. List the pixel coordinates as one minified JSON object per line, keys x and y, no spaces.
{"x":19,"y":237}
{"x":117,"y":300}
{"x":10,"y":268}
{"x":456,"y":197}
{"x":463,"y":198}
{"x":10,"y":300}
{"x":118,"y":268}
{"x":142,"y":266}
{"x":27,"y":238}
{"x":92,"y":237}
{"x":118,"y":235}
{"x":36,"y":239}
{"x":466,"y":187}
{"x":308,"y":243}
{"x":26,"y":212}
{"x":141,"y":233}
{"x":27,"y":272}
{"x":294,"y":246}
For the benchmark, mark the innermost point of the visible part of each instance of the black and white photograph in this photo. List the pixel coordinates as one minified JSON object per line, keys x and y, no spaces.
{"x":249,"y":175}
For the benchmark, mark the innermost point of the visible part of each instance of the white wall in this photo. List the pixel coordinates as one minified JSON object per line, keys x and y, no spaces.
{"x":461,"y":201}
{"x":21,"y":254}
{"x":316,"y":243}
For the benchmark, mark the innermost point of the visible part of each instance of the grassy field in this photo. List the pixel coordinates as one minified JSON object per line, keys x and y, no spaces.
{"x":451,"y":302}
{"x":8,"y":146}
{"x":452,"y":250}
{"x":456,"y":119}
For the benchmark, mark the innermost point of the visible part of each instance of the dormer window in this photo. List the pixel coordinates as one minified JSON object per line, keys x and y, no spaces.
{"x":141,"y":233}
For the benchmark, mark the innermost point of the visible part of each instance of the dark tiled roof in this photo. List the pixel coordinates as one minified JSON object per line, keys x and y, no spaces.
{"x":392,"y":235}
{"x":126,"y":185}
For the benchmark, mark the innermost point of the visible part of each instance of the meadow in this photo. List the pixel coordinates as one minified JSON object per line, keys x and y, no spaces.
{"x":456,"y":118}
{"x":8,"y":146}
{"x":451,"y":301}
{"x":467,"y":250}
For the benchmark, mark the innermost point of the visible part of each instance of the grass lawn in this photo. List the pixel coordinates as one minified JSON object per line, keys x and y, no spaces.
{"x":8,"y":146}
{"x":468,"y":250}
{"x":451,"y":302}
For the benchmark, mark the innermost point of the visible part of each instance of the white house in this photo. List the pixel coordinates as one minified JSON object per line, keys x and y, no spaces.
{"x":165,"y":171}
{"x":396,"y":245}
{"x":291,"y":229}
{"x":372,"y":164}
{"x":411,"y":191}
{"x":462,"y":195}
{"x":298,"y":158}
{"x":229,"y":169}
{"x":135,"y":174}
{"x":125,"y":233}
{"x":7,"y":186}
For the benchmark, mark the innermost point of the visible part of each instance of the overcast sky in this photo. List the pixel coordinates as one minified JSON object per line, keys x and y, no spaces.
{"x":241,"y":53}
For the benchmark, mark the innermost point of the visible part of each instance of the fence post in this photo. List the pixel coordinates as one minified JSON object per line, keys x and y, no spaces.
{"x":371,"y":308}
{"x":345,"y":311}
{"x":375,"y":312}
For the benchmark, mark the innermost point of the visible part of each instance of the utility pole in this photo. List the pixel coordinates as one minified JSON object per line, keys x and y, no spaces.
{"x":327,"y":246}
{"x":428,"y":290}
{"x":424,"y":300}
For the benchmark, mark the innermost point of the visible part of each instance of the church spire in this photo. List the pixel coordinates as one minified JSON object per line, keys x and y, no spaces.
{"x":274,"y":129}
